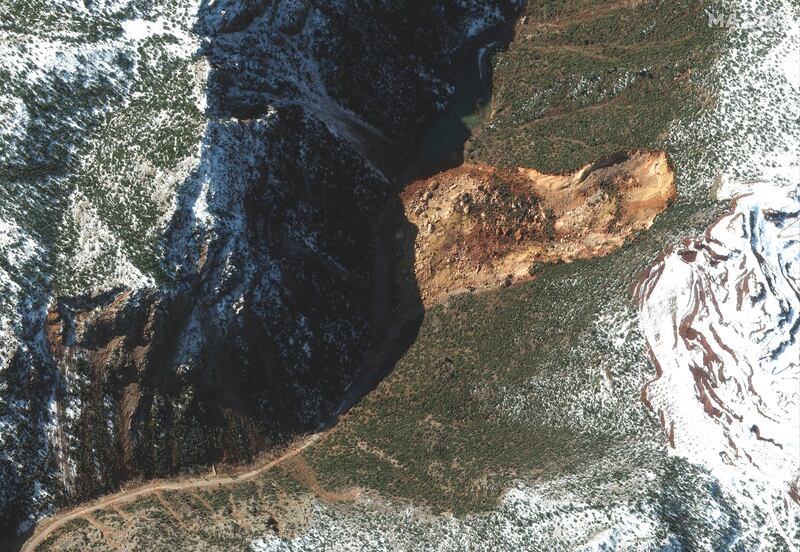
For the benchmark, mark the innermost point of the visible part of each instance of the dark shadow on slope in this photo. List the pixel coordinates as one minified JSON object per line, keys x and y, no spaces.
{"x":399,"y":310}
{"x":295,"y":302}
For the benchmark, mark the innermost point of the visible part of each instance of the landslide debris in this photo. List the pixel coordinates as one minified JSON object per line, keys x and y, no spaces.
{"x":479,"y":226}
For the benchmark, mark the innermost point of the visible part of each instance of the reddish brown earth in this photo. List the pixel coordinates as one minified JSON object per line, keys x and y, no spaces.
{"x":480,"y":227}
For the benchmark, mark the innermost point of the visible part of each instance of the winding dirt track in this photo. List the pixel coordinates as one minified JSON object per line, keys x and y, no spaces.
{"x":46,"y":527}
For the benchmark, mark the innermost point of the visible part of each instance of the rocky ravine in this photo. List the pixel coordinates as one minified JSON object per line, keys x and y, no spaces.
{"x":264,"y":312}
{"x":479,"y":227}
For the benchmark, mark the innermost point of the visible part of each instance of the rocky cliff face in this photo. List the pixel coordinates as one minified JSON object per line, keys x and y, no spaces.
{"x":264,"y":307}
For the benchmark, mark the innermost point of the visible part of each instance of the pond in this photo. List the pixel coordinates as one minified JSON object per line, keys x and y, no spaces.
{"x":442,"y":146}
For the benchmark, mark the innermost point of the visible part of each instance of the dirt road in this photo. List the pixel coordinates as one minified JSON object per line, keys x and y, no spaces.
{"x":46,"y":527}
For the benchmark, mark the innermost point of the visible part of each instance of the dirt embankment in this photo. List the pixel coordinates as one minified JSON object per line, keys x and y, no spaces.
{"x":480,"y":227}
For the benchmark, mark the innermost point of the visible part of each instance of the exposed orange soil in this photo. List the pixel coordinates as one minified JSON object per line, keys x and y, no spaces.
{"x":481,"y":227}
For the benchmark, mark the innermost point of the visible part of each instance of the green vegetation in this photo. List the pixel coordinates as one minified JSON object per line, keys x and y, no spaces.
{"x":110,"y":125}
{"x":139,"y":156}
{"x":143,"y":504}
{"x":503,"y":385}
{"x":46,"y":18}
{"x":585,"y":78}
{"x":71,"y":529}
{"x":530,"y":382}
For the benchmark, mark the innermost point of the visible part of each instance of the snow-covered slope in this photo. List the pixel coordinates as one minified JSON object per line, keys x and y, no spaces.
{"x":721,"y":311}
{"x":721,"y":314}
{"x":79,"y":159}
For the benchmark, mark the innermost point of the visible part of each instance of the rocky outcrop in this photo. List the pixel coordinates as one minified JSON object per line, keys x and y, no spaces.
{"x":479,"y":227}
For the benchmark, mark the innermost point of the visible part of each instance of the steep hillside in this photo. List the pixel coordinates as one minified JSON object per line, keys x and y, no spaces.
{"x":642,"y":399}
{"x":239,"y":304}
